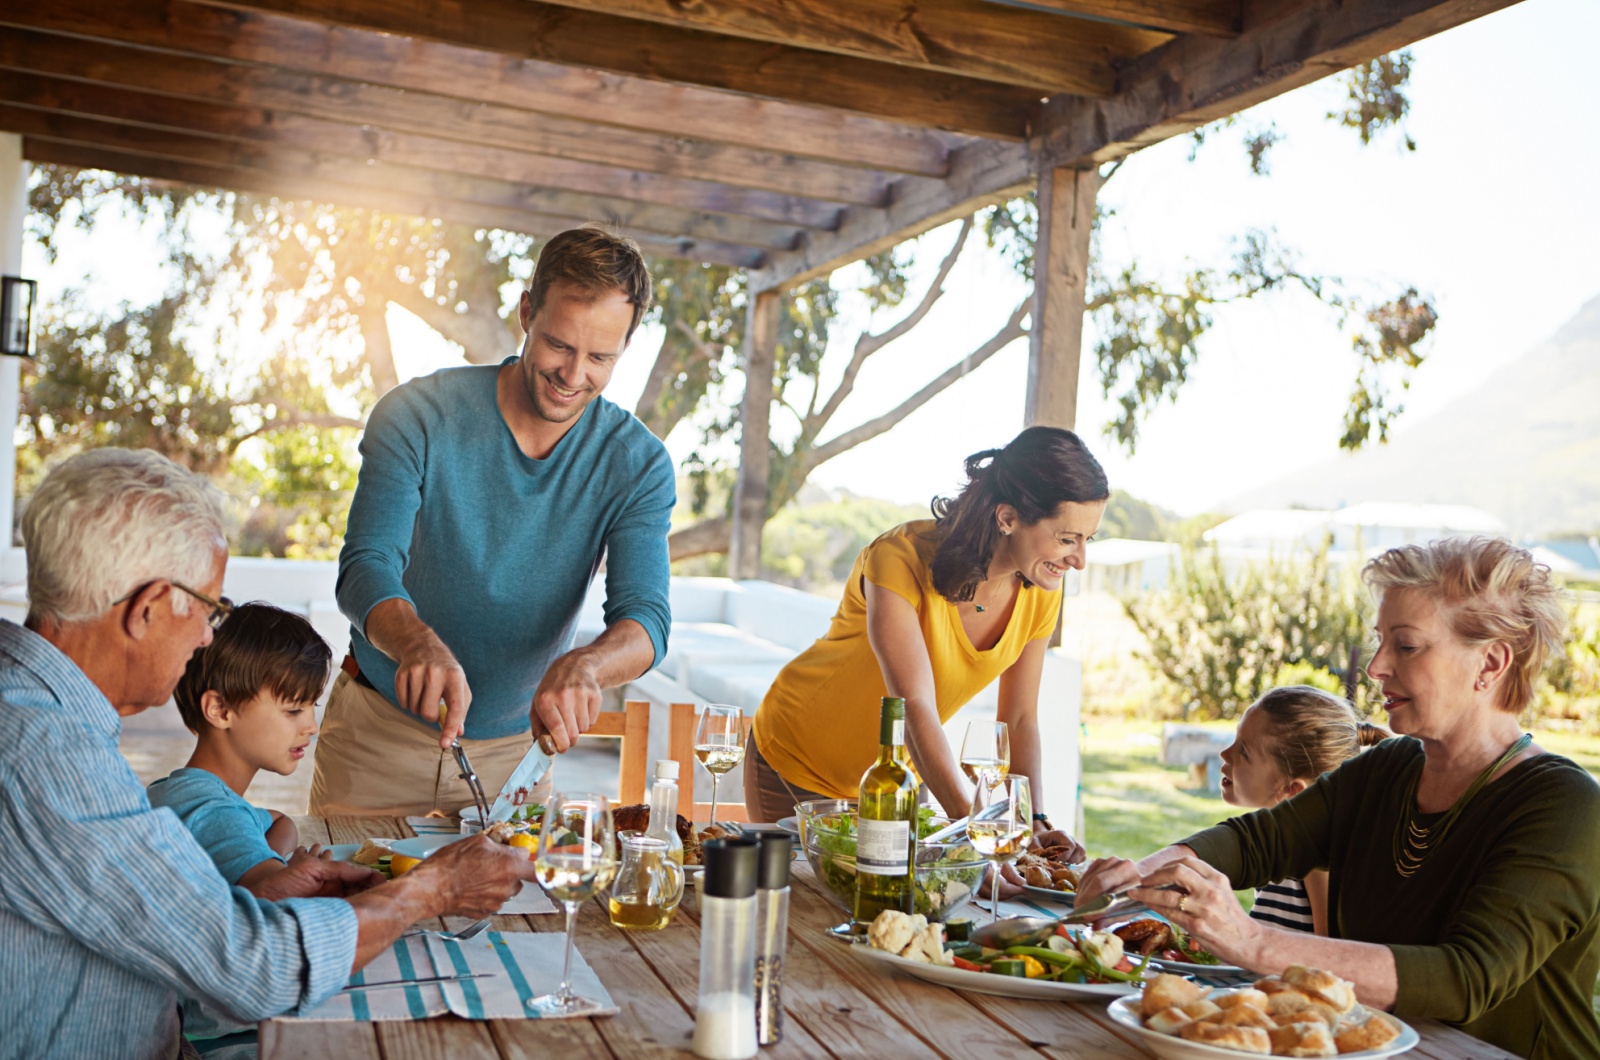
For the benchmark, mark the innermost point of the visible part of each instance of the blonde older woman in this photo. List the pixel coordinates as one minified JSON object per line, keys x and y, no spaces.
{"x":1464,"y":859}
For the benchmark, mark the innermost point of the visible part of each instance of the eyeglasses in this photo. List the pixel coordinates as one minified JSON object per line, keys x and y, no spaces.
{"x":220,"y":609}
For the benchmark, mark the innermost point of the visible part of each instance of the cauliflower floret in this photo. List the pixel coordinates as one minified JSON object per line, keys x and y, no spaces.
{"x":927,"y":945}
{"x":1102,"y":946}
{"x":892,"y":930}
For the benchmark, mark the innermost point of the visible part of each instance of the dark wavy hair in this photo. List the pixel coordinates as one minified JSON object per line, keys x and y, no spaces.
{"x":1041,"y":468}
{"x":260,"y":648}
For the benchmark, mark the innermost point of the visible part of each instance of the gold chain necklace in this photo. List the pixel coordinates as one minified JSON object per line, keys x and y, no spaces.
{"x":1412,"y":844}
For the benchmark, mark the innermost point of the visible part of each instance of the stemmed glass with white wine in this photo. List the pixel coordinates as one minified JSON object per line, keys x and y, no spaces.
{"x":1001,"y":827}
{"x":575,"y":859}
{"x":719,"y":744}
{"x":986,"y":752}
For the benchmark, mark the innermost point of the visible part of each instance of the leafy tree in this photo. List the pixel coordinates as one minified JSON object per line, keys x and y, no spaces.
{"x":334,"y":271}
{"x":1224,"y":636}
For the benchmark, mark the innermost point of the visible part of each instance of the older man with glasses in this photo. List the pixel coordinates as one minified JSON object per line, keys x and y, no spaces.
{"x":109,"y":910}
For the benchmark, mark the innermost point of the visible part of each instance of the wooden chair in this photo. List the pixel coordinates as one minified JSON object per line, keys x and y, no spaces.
{"x":631,"y":725}
{"x":683,"y":721}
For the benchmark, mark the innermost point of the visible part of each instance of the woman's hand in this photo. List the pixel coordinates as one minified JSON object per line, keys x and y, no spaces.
{"x":1105,"y":875}
{"x":1055,"y":837}
{"x":1206,"y":908}
{"x":1007,"y":879}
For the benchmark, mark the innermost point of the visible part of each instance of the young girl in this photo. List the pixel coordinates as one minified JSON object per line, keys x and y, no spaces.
{"x":1288,"y":738}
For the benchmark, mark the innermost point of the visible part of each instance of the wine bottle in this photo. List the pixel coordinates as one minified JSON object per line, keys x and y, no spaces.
{"x":886,"y":823}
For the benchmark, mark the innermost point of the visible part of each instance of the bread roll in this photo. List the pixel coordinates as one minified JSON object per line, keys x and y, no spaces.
{"x":1168,"y":1021}
{"x":1244,"y":1039}
{"x":1324,"y":986}
{"x":1200,"y":1010}
{"x":1168,"y":991}
{"x":1244,"y":996}
{"x":1302,"y":1039}
{"x":1376,"y":1031}
{"x":1246,"y":1016}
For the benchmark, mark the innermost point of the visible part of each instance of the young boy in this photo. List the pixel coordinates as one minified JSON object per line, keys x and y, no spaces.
{"x":249,"y":697}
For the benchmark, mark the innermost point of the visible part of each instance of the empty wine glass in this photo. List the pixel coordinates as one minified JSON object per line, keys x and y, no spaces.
{"x":1001,"y":827}
{"x":719,"y":744}
{"x":986,"y":752}
{"x":575,"y":859}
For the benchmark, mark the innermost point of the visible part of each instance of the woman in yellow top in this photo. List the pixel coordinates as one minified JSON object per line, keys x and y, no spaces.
{"x":933,"y":612}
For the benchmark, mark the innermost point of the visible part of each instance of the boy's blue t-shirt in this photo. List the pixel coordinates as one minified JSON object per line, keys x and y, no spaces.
{"x":231,"y":830}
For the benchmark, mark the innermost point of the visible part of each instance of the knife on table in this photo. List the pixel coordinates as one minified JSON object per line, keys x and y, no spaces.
{"x":427,"y":980}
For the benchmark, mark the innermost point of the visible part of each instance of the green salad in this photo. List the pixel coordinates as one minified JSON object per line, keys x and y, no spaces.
{"x":947,"y":875}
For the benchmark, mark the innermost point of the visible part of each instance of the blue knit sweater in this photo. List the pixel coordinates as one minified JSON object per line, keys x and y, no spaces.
{"x":496,"y":550}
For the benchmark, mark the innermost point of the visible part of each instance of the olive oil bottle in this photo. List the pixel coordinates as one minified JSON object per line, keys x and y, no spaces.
{"x":886,"y":823}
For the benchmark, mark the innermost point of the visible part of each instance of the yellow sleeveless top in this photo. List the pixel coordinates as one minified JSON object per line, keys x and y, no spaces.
{"x":818,"y":724}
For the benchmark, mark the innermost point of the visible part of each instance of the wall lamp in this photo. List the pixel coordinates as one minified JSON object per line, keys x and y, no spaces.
{"x":17,"y":297}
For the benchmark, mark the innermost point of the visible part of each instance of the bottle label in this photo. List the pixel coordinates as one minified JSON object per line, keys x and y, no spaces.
{"x":883,"y":848}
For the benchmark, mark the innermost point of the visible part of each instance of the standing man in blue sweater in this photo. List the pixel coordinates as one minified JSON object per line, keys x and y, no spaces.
{"x":489,"y":497}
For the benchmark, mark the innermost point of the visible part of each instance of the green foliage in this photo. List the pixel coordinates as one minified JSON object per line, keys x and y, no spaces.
{"x":813,"y":546}
{"x":1129,"y":517}
{"x":1224,"y":637}
{"x":1376,"y":97}
{"x":1150,"y":330}
{"x":1570,"y":687}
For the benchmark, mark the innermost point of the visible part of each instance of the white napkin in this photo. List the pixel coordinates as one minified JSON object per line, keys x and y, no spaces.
{"x":434,"y":825}
{"x":523,"y":965}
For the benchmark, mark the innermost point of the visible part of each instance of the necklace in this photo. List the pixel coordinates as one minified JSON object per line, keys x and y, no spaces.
{"x":1412,"y":844}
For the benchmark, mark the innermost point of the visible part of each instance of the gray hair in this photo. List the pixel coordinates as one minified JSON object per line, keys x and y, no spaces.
{"x":109,"y":521}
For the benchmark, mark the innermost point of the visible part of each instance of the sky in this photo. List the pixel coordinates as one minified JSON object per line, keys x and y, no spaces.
{"x":1493,"y":216}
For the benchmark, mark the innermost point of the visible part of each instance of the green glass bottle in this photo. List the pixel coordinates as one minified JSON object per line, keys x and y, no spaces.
{"x":886,"y":823}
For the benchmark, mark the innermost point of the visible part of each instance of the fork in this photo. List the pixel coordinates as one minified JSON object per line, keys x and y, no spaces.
{"x":470,"y":931}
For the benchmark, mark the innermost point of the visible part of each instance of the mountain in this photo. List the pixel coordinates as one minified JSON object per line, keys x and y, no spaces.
{"x":1525,"y":446}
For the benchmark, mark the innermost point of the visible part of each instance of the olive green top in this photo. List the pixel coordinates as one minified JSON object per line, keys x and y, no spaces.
{"x":1495,"y":934}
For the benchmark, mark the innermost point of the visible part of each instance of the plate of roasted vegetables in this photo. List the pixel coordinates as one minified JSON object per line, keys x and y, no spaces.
{"x":1167,"y":947}
{"x":1073,"y":962}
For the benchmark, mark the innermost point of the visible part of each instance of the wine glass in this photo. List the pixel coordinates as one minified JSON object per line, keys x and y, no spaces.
{"x":1000,"y":827}
{"x":719,"y":744}
{"x":986,"y":752}
{"x":576,"y":857}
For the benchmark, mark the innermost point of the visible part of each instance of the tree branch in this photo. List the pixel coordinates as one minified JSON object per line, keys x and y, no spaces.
{"x":1012,"y":330}
{"x":667,"y":365}
{"x":868,"y":344}
{"x":699,"y":539}
{"x":480,"y":331}
{"x":296,"y":418}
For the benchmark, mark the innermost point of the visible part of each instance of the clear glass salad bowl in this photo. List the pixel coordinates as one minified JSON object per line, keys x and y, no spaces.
{"x":947,"y":873}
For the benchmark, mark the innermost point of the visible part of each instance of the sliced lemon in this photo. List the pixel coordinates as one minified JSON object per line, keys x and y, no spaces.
{"x":525,"y":841}
{"x":399,"y":865}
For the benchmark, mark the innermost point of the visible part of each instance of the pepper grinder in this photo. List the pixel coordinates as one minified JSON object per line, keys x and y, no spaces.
{"x":772,"y":931}
{"x":725,"y":1016}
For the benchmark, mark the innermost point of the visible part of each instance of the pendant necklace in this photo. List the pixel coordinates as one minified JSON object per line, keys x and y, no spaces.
{"x":1412,"y":844}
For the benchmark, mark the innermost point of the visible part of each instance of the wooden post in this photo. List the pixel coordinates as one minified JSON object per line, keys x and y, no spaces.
{"x":755,"y":416}
{"x":1060,"y":283}
{"x":13,"y":211}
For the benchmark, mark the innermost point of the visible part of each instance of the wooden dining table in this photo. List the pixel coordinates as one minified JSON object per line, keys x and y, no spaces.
{"x":835,"y":1003}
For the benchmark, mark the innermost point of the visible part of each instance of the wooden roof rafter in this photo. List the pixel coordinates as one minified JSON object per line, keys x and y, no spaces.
{"x":789,"y":136}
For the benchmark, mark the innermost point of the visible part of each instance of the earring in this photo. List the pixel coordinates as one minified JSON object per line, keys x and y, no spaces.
{"x":1481,"y":684}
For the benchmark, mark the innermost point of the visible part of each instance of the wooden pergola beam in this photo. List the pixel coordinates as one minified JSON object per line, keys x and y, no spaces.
{"x":1013,"y":45}
{"x":171,"y":114}
{"x":557,"y":35}
{"x":1214,"y":18}
{"x":81,"y":156}
{"x":504,"y":79}
{"x":200,"y":78}
{"x":981,"y":175}
{"x":304,"y":171}
{"x":1196,"y":80}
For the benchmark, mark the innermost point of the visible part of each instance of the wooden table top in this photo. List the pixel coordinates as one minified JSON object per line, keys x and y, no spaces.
{"x":835,"y":1004}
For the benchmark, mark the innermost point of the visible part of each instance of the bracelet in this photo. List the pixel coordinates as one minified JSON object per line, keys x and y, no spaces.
{"x":1043,"y":817}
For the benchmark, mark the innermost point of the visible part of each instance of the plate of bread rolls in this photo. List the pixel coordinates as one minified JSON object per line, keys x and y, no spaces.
{"x":1303,"y":1012}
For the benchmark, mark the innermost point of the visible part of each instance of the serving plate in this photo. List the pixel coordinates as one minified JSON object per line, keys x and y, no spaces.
{"x":1050,"y":894}
{"x":420,"y":846}
{"x":997,"y":985}
{"x":1202,"y":970}
{"x":790,"y":825}
{"x":1125,"y":1012}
